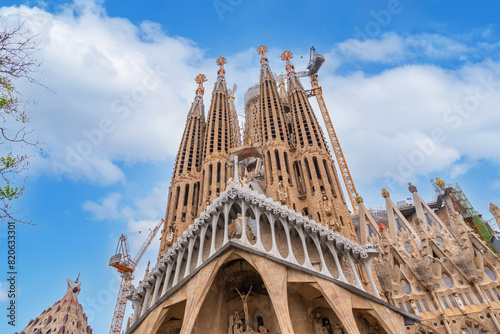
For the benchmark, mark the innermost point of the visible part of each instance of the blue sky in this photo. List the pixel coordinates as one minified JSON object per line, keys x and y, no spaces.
{"x":413,"y":88}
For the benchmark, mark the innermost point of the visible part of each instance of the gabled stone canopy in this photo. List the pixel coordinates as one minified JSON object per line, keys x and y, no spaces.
{"x":317,"y":249}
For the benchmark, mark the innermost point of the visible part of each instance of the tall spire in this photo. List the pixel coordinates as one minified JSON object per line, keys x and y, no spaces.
{"x":197,"y":108}
{"x":265,"y":71}
{"x":319,"y":182}
{"x":185,"y":185}
{"x":65,"y":316}
{"x":219,"y":139}
{"x":275,"y":139}
{"x":220,"y":84}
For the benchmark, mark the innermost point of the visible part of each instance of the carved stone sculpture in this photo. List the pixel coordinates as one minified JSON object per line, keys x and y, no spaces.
{"x":414,"y":307}
{"x":318,"y":327}
{"x":282,"y":193}
{"x":235,"y":324}
{"x":170,"y":234}
{"x":459,"y":303}
{"x":327,"y":205}
{"x":244,"y":299}
{"x":263,"y":329}
{"x":337,"y":329}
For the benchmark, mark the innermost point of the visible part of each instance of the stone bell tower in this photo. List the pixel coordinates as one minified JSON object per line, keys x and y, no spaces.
{"x":184,"y":193}
{"x":65,"y":316}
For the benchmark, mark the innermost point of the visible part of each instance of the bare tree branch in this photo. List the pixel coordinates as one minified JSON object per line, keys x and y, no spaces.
{"x":17,"y":61}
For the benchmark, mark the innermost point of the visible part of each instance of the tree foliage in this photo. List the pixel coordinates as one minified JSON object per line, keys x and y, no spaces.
{"x":17,"y":61}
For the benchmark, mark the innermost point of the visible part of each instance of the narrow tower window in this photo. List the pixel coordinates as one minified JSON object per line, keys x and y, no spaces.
{"x":277,"y":155}
{"x":186,"y":195}
{"x":316,"y":167}
{"x":218,"y":171}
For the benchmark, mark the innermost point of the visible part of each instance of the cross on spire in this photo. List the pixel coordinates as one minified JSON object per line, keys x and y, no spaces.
{"x":221,"y":72}
{"x":235,"y":165}
{"x":262,"y":51}
{"x":200,"y":79}
{"x":286,"y":56}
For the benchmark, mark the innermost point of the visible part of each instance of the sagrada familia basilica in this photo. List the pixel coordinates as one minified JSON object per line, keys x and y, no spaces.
{"x":258,"y":237}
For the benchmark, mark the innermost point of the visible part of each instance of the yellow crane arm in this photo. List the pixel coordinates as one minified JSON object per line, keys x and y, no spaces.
{"x":146,"y":244}
{"x":127,"y":267}
{"x":346,"y":175}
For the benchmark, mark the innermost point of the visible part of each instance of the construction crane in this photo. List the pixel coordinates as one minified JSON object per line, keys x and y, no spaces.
{"x":315,"y":62}
{"x":126,"y":267}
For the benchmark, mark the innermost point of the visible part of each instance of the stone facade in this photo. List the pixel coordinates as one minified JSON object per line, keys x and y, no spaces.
{"x":434,"y":265}
{"x":285,"y":154}
{"x":258,"y":236}
{"x":495,"y":211}
{"x":65,"y":316}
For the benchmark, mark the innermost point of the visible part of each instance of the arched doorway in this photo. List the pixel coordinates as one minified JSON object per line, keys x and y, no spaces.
{"x":171,"y":321}
{"x":472,"y":326}
{"x":237,"y":302}
{"x":367,"y":323}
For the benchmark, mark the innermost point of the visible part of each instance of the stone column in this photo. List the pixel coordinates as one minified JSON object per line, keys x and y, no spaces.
{"x":359,"y":285}
{"x":202,"y":244}
{"x":332,"y":249}
{"x":190,"y":255}
{"x":136,"y":304}
{"x":180,"y":256}
{"x":324,"y":270}
{"x":146,"y":300}
{"x":158,"y":275}
{"x":168,"y":272}
{"x":367,"y":266}
{"x":214,"y":233}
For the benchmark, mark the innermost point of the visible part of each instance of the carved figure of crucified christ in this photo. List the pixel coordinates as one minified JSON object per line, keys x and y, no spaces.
{"x":244,"y":298}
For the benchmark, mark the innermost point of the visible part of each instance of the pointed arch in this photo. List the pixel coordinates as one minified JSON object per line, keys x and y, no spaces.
{"x":472,"y":326}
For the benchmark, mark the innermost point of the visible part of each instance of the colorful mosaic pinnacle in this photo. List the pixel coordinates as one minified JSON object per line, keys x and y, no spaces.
{"x":286,"y":56}
{"x":200,"y":79}
{"x":221,"y":72}
{"x":262,"y":50}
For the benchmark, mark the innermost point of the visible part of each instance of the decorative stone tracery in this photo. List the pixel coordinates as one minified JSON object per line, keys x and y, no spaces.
{"x":211,"y":231}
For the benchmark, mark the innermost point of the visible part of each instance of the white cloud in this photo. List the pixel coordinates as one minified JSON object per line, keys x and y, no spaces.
{"x":107,"y":209}
{"x":388,"y":48}
{"x":3,"y":293}
{"x":140,"y":213}
{"x":407,"y":113}
{"x":461,"y":169}
{"x":122,"y":92}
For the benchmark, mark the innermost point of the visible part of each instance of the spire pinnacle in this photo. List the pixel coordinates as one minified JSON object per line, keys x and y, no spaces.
{"x":200,"y":79}
{"x":294,"y":83}
{"x":262,"y":51}
{"x":265,"y":71}
{"x":286,"y":56}
{"x":221,"y":72}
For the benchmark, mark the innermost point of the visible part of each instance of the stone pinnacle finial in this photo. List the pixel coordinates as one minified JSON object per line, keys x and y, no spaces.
{"x":200,"y":79}
{"x":385,"y":193}
{"x":440,"y":183}
{"x":221,"y":72}
{"x":359,"y":199}
{"x":412,"y":188}
{"x":286,"y":56}
{"x":262,"y":51}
